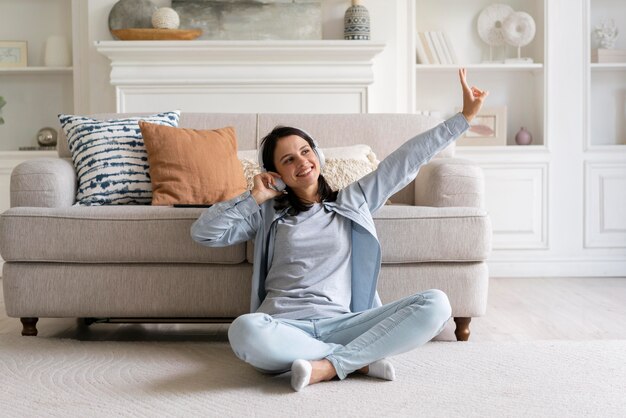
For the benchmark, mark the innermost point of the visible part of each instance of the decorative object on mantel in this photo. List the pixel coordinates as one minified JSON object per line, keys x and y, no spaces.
{"x":489,"y":25}
{"x":57,"y":52}
{"x":518,"y":30}
{"x":356,"y":22}
{"x":252,"y":19}
{"x":523,"y":137}
{"x":2,"y":103}
{"x":47,"y":137}
{"x":131,"y":14}
{"x":157,"y":34}
{"x":606,"y":34}
{"x":165,"y":18}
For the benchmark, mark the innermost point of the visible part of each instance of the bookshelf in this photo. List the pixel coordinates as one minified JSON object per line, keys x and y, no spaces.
{"x":605,"y":82}
{"x":34,"y":90}
{"x":518,"y":86}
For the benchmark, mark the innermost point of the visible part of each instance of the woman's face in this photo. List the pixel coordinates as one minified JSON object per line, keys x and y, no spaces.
{"x":296,"y":162}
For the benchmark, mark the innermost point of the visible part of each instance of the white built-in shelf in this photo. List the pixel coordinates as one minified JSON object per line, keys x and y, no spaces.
{"x":608,"y":66}
{"x":534,"y":67}
{"x":37,"y":70}
{"x":19,"y":155}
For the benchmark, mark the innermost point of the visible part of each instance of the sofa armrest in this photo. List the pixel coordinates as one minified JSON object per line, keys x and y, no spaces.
{"x":43,"y":182}
{"x":450,"y":182}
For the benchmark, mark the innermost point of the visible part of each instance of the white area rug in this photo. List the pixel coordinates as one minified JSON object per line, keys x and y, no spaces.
{"x":60,"y":377}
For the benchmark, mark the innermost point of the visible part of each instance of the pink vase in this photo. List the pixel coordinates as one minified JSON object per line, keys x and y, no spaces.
{"x":523,"y":137}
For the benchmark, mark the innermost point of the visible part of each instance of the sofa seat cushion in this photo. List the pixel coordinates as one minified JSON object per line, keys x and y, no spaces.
{"x":111,"y":234}
{"x":420,"y":234}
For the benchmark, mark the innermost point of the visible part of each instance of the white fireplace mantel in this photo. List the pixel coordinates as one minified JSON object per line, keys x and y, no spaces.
{"x":242,"y":76}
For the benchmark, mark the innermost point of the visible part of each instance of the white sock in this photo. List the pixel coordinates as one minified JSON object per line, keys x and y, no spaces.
{"x":382,"y":369}
{"x":300,"y":374}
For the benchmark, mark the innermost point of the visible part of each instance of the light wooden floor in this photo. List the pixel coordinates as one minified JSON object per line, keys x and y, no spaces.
{"x":518,"y":310}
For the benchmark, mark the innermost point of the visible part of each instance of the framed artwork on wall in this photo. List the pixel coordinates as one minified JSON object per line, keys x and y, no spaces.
{"x":487,"y":128}
{"x":13,"y":54}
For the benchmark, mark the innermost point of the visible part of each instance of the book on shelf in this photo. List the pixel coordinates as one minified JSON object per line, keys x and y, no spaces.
{"x":434,"y":47}
{"x":608,"y":55}
{"x":450,"y":48}
{"x":422,"y":57}
{"x":444,"y":47}
{"x":434,"y":40}
{"x":430,"y":55}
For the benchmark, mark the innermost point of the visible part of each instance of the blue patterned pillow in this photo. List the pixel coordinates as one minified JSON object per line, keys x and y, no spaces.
{"x":110,"y":158}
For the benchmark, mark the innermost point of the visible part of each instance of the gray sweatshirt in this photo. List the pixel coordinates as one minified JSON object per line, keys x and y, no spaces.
{"x":310,"y":271}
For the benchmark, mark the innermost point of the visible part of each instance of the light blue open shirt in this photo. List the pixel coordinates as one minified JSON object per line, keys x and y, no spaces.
{"x":241,"y":218}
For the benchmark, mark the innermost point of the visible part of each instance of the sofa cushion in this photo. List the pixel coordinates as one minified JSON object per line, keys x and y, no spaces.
{"x":110,"y":158}
{"x":410,"y":234}
{"x":192,"y":166}
{"x":419,"y":234}
{"x":107,"y":234}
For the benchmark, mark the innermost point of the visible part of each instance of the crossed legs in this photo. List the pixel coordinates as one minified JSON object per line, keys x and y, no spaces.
{"x":349,"y":342}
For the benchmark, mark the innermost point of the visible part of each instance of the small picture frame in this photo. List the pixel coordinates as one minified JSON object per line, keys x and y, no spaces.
{"x":488,"y":128}
{"x":13,"y":54}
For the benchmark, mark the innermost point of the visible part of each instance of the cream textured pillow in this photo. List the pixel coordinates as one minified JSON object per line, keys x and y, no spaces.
{"x":344,"y":165}
{"x":189,"y":166}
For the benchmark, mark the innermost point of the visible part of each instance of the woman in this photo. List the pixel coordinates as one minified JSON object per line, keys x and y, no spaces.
{"x":317,"y":258}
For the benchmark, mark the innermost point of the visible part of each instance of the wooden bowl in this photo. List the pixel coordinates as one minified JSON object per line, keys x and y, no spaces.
{"x":147,"y":34}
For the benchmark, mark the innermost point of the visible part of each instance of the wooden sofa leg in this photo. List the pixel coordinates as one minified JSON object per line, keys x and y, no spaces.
{"x":29,"y":326}
{"x":462,"y":330}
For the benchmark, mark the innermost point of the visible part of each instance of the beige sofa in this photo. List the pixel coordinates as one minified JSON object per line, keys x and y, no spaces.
{"x":122,"y":263}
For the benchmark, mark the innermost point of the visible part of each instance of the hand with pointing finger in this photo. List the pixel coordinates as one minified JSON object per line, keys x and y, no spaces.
{"x":473,"y":97}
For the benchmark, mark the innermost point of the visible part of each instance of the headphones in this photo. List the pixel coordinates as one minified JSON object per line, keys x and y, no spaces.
{"x":316,"y":149}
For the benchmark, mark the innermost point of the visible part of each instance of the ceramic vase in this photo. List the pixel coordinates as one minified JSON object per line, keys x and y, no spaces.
{"x":523,"y":137}
{"x":57,"y":52}
{"x":356,"y":22}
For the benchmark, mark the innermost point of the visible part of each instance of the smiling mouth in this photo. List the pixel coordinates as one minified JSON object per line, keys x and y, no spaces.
{"x":304,"y":173}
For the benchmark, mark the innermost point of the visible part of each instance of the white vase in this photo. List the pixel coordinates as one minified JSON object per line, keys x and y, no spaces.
{"x":57,"y":53}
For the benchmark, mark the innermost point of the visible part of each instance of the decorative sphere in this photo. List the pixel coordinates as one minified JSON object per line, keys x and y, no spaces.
{"x":165,"y":18}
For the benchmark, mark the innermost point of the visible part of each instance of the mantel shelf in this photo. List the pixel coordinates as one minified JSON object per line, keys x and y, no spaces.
{"x":193,"y":74}
{"x":239,"y":51}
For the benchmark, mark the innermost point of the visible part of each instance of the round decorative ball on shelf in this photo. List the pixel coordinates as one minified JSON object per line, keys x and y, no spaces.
{"x":131,"y":14}
{"x":518,"y":30}
{"x":47,"y":137}
{"x":165,"y":18}
{"x":356,"y":22}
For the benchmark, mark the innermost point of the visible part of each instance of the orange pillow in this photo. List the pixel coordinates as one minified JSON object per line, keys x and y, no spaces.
{"x":189,"y":166}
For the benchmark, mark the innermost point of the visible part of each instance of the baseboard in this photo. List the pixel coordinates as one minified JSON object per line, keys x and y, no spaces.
{"x":557,"y":268}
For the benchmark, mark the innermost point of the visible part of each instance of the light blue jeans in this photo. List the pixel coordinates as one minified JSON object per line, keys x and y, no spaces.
{"x":349,"y":341}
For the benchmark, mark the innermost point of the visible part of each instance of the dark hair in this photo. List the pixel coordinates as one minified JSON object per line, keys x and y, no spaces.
{"x":290,"y":200}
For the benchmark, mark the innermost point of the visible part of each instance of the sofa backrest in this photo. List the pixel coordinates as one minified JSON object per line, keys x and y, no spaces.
{"x":383,"y":132}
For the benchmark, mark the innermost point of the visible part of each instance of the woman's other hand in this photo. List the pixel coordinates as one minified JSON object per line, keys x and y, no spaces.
{"x":473,"y":97}
{"x":261,"y":191}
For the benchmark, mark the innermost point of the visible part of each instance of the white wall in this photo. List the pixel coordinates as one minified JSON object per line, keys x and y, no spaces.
{"x":388,"y":94}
